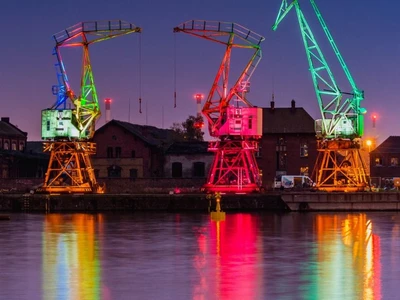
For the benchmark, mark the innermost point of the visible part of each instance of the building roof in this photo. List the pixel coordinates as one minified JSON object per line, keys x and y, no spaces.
{"x":189,"y":147}
{"x":287,"y":120}
{"x":34,"y":147}
{"x":149,"y":134}
{"x":10,"y":130}
{"x":390,"y":145}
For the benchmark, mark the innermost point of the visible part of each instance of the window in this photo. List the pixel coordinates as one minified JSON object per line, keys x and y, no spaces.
{"x":177,"y":170}
{"x":6,"y":145}
{"x":14,"y":146}
{"x":133,"y":173}
{"x":258,"y":153}
{"x":21,"y":146}
{"x":133,"y":154}
{"x":250,"y":123}
{"x":378,"y":161}
{"x":117,"y":152}
{"x":109,"y":152}
{"x":1,"y":144}
{"x":304,"y":171}
{"x":114,"y":171}
{"x":303,"y":149}
{"x":199,"y":169}
{"x":394,"y":161}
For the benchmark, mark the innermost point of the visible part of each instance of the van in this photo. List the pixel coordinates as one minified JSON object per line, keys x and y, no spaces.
{"x":296,"y":181}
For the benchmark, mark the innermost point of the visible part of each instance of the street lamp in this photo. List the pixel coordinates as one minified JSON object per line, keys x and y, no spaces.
{"x":369,"y":143}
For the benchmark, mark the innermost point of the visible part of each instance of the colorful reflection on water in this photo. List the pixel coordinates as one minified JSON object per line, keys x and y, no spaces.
{"x":342,"y":261}
{"x":189,"y":256}
{"x":71,"y":264}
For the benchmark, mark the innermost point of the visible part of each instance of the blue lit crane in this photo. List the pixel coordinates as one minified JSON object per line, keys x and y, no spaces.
{"x":68,"y":131}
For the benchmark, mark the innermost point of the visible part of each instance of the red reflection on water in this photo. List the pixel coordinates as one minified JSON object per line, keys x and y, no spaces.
{"x":235,"y":247}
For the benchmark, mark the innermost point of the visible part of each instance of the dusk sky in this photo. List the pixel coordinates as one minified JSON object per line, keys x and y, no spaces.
{"x":366,"y":32}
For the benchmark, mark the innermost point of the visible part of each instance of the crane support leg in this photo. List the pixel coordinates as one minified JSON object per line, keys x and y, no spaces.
{"x":70,"y":169}
{"x":234,"y":168}
{"x":340,"y":168}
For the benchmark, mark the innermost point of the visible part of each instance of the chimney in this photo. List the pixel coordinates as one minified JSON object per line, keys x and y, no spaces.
{"x":293,"y":104}
{"x":273,"y":102}
{"x":107,"y":101}
{"x":5,"y":119}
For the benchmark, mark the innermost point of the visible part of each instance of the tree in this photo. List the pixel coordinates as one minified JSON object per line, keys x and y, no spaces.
{"x":190,"y":129}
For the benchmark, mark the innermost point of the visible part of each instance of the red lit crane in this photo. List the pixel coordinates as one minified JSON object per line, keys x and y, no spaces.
{"x":231,"y":117}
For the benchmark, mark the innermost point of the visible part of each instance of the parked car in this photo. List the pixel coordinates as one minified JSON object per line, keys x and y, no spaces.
{"x":294,"y":181}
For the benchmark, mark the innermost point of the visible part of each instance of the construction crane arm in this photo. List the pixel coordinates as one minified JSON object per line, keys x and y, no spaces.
{"x":86,"y":105}
{"x":342,"y":116}
{"x":231,"y":35}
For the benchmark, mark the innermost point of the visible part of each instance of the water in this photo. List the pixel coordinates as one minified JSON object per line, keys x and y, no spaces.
{"x":188,"y":256}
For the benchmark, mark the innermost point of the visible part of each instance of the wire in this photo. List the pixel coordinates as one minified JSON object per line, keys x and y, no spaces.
{"x":174,"y":70}
{"x":140,"y":73}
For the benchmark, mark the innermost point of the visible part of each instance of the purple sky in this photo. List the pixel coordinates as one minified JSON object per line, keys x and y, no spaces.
{"x":367,"y":34}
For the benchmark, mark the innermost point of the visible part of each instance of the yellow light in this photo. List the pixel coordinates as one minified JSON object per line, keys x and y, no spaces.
{"x":369,"y":142}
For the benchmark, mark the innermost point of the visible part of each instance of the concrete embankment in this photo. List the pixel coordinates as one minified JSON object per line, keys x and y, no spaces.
{"x":285,"y":201}
{"x":136,"y":202}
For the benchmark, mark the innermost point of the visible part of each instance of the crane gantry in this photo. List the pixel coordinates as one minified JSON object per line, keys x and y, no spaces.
{"x":232,"y":119}
{"x":339,"y":166}
{"x":68,"y":131}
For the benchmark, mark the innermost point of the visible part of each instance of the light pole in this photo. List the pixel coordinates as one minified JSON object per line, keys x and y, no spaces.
{"x":369,"y":143}
{"x":198,"y":98}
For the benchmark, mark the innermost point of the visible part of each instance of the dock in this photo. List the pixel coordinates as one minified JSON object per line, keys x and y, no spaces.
{"x":274,"y":201}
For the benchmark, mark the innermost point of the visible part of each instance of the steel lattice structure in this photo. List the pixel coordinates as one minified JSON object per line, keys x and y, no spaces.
{"x":238,"y":126}
{"x":339,"y":165}
{"x":68,"y":131}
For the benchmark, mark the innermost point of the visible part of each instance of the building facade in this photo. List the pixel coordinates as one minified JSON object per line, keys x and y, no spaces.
{"x":189,"y":159}
{"x":385,"y":162}
{"x":17,"y":158}
{"x":288,"y":145}
{"x":126,"y":150}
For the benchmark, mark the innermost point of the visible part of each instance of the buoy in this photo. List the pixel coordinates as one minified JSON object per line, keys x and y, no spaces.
{"x":218,"y":215}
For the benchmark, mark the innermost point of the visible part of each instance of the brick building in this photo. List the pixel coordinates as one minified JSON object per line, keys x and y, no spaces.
{"x":288,"y":145}
{"x":17,"y":158}
{"x":385,"y":161}
{"x":126,"y":150}
{"x":188,"y":160}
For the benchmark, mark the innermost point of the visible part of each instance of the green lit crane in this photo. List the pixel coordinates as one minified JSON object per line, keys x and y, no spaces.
{"x":339,"y":166}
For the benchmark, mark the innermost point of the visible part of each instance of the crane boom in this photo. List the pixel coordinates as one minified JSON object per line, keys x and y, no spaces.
{"x":231,"y":35}
{"x":342,"y":116}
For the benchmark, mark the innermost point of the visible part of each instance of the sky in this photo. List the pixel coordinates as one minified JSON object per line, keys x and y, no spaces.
{"x":157,"y":62}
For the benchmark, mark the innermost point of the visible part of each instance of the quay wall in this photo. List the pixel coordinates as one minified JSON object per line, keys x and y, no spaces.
{"x":136,"y":202}
{"x":197,"y":202}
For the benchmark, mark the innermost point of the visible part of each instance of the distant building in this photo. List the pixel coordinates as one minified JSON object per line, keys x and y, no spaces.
{"x":126,"y":150}
{"x":288,"y":145}
{"x":189,"y":159}
{"x":17,"y":160}
{"x":385,"y":160}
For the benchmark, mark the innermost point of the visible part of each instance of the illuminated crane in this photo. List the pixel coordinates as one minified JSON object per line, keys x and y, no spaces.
{"x":231,"y":117}
{"x":68,"y":131}
{"x":339,"y":166}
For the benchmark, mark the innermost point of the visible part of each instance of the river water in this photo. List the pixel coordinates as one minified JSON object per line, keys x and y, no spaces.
{"x":189,"y":256}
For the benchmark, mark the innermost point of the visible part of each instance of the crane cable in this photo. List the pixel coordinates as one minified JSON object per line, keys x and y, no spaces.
{"x":174,"y":70}
{"x":140,"y":73}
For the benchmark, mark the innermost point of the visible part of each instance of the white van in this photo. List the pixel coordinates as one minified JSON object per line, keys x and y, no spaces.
{"x":296,"y":181}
